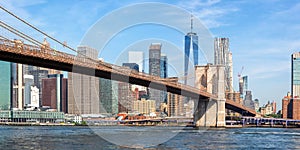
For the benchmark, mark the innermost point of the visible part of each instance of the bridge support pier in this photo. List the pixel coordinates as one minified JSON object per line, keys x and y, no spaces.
{"x":210,"y":113}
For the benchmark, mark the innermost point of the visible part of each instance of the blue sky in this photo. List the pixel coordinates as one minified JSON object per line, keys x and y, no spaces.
{"x":263,"y":34}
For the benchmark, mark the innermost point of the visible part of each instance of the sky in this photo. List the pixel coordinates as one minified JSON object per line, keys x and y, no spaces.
{"x":262,"y":34}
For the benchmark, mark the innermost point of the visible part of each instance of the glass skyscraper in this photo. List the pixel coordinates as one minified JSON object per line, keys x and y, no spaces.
{"x":190,"y":47}
{"x":5,"y":85}
{"x":296,"y":74}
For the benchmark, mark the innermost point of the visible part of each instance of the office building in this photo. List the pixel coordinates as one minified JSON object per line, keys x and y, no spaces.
{"x":190,"y":51}
{"x":34,"y":97}
{"x":163,"y":66}
{"x":18,"y":88}
{"x":256,"y":105}
{"x":224,"y":57}
{"x":243,"y":85}
{"x":138,"y":58}
{"x":55,"y":92}
{"x":133,"y":66}
{"x":83,"y":90}
{"x":295,"y":74}
{"x":29,"y":82}
{"x":154,"y":69}
{"x":248,"y":102}
{"x":175,"y":106}
{"x":39,"y":74}
{"x":126,"y":97}
{"x":108,"y":96}
{"x":5,"y":85}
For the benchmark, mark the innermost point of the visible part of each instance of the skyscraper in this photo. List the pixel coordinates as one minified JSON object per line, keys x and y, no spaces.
{"x":154,"y":59}
{"x":190,"y":47}
{"x":55,"y":92}
{"x":163,"y":74}
{"x":138,"y":58}
{"x":5,"y":85}
{"x":163,"y":66}
{"x":83,"y":90}
{"x":28,"y":81}
{"x":18,"y":89}
{"x":108,"y":96}
{"x":154,"y":69}
{"x":295,"y":74}
{"x":224,"y":57}
{"x":133,"y":66}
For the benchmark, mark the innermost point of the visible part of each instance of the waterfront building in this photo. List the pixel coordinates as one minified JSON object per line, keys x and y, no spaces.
{"x":295,"y":61}
{"x":55,"y":92}
{"x":190,"y":51}
{"x":108,"y":96}
{"x":5,"y":85}
{"x":30,"y":116}
{"x":144,"y":106}
{"x":83,"y":90}
{"x":138,"y":58}
{"x":154,"y":69}
{"x":290,"y":107}
{"x":224,"y":57}
{"x":269,"y":108}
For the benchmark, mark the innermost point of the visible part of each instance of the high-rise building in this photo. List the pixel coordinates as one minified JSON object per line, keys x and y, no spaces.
{"x":138,"y":58}
{"x":163,"y":66}
{"x":243,"y":85}
{"x":83,"y":90}
{"x":34,"y":96}
{"x":18,"y":89}
{"x":248,"y":102}
{"x":190,"y":47}
{"x":55,"y":92}
{"x":163,"y":74}
{"x":108,"y":96}
{"x":29,"y":82}
{"x":154,"y":69}
{"x":133,"y":66}
{"x":224,"y":57}
{"x":39,"y":74}
{"x":174,"y":102}
{"x":154,"y":59}
{"x":295,"y":74}
{"x":5,"y":85}
{"x":126,"y":97}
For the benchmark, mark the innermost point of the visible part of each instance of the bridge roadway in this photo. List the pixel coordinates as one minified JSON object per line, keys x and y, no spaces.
{"x":14,"y":51}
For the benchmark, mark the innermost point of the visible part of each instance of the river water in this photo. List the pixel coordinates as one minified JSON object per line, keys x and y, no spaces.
{"x":118,"y":137}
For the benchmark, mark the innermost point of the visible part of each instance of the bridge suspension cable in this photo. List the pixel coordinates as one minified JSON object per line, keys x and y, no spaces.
{"x":45,"y":34}
{"x":18,"y":33}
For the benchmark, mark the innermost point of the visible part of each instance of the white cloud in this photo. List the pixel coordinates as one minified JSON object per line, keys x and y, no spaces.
{"x":208,"y":11}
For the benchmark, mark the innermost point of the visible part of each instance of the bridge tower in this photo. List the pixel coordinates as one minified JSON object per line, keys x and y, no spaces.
{"x":210,"y":112}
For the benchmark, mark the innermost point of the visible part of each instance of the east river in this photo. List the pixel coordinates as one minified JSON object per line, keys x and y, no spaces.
{"x":120,"y":137}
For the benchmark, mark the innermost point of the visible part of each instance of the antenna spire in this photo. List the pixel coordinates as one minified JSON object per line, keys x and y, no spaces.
{"x":191,"y":23}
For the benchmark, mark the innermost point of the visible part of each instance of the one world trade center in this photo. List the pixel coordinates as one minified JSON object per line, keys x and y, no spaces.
{"x":190,"y":47}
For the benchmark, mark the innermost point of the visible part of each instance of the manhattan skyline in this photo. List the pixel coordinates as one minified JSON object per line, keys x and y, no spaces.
{"x":263,"y":35}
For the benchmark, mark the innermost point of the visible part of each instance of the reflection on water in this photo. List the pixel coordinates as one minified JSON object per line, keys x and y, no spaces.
{"x":52,"y":138}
